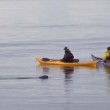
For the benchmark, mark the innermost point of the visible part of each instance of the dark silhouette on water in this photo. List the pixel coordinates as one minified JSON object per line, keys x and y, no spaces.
{"x":43,"y":77}
{"x":21,"y":78}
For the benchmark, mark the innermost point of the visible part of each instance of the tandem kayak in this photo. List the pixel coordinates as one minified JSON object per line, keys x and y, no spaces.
{"x":58,"y":62}
{"x":100,"y":61}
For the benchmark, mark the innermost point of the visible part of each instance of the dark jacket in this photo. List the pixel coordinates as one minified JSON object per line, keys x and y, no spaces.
{"x":68,"y":56}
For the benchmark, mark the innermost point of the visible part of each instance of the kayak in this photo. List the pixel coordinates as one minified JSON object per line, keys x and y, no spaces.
{"x":100,"y":60}
{"x":97,"y":58}
{"x":58,"y":62}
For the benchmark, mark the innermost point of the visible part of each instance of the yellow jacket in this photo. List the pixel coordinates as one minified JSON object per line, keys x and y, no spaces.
{"x":107,"y":56}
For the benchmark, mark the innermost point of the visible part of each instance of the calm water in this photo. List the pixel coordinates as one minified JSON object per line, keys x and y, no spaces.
{"x":30,"y":28}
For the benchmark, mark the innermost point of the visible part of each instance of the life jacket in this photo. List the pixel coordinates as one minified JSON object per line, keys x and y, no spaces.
{"x":107,"y":56}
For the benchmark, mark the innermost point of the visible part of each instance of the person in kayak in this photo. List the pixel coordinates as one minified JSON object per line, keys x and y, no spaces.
{"x":107,"y":55}
{"x":68,"y":56}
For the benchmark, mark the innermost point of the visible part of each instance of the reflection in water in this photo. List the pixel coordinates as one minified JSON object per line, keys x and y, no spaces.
{"x":65,"y":70}
{"x":68,"y":82}
{"x":45,"y":69}
{"x":68,"y":71}
{"x":107,"y":71}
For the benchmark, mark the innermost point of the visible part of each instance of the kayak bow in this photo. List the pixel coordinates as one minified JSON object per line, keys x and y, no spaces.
{"x":53,"y":62}
{"x":100,"y":61}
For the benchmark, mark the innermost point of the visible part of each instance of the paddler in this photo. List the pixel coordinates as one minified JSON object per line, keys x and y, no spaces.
{"x":68,"y":56}
{"x":107,"y":55}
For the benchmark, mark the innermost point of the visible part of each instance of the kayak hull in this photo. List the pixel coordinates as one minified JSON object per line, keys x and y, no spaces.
{"x":52,"y":62}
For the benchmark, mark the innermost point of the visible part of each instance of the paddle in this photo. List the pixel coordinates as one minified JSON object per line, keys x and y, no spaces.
{"x":47,"y":59}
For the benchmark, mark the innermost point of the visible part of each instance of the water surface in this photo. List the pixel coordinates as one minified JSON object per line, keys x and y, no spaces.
{"x":30,"y":28}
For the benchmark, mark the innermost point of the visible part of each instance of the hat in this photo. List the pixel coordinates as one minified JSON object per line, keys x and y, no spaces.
{"x":108,"y":48}
{"x":65,"y":48}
